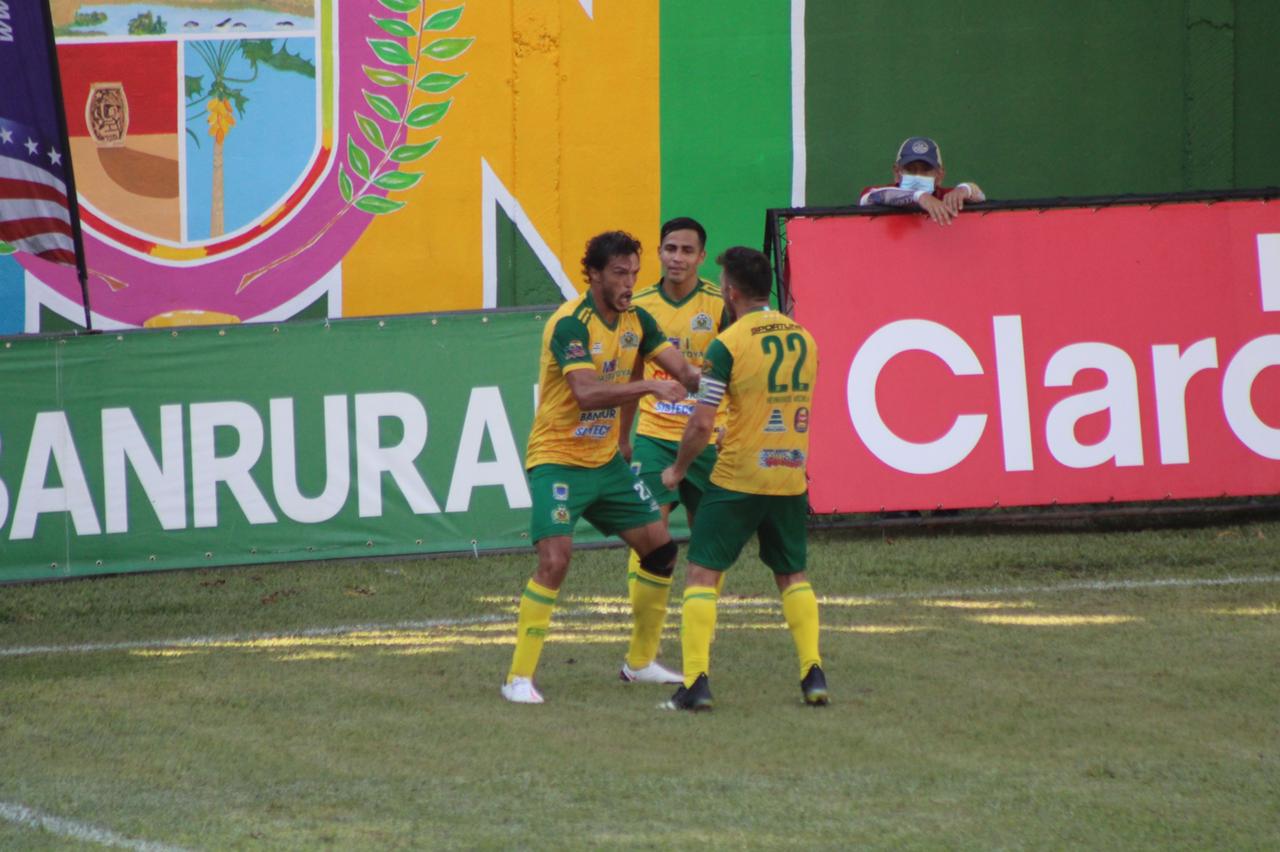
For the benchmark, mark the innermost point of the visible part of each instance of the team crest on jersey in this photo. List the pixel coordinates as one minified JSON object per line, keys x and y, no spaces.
{"x":702,"y":322}
{"x":575,"y":349}
{"x":630,"y":340}
{"x":560,"y":491}
{"x":776,"y":422}
{"x":802,"y":420}
{"x":560,"y":514}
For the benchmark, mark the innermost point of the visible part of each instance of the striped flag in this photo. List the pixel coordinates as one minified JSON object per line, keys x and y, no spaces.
{"x":38,"y":210}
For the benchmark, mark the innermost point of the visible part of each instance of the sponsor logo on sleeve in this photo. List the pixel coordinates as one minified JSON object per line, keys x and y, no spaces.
{"x":781,"y":458}
{"x":702,"y":322}
{"x":574,"y":349}
{"x":776,"y":422}
{"x":802,"y":420}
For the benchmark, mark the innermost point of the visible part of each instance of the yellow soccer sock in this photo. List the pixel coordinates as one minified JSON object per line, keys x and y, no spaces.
{"x":697,"y":624}
{"x":800,"y":608}
{"x":531,"y":628}
{"x":633,"y":566}
{"x":719,"y":594}
{"x":649,"y":594}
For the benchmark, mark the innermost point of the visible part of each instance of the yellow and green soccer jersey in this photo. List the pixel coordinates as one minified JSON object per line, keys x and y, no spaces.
{"x":690,"y":325}
{"x":765,"y":364}
{"x":576,"y":338}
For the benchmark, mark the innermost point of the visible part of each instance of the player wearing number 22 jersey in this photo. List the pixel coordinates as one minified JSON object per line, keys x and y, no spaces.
{"x":765,"y":367}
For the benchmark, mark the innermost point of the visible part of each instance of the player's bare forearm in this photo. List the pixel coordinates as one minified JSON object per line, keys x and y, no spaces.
{"x":593,"y":392}
{"x":627,"y":414}
{"x":679,"y":368}
{"x":697,"y":434}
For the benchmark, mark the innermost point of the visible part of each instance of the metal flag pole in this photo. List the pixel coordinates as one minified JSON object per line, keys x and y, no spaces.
{"x":73,"y":200}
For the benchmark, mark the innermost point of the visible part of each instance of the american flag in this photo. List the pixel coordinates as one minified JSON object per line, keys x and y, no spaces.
{"x":36,"y":212}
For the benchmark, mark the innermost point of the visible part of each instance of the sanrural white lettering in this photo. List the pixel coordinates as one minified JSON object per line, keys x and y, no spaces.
{"x":227,"y":443}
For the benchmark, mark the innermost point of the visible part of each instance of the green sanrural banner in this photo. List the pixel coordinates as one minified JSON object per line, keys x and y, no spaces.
{"x":212,"y":446}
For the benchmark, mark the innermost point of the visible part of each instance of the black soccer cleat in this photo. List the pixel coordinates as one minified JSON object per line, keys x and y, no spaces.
{"x":814,"y":687}
{"x":694,"y":698}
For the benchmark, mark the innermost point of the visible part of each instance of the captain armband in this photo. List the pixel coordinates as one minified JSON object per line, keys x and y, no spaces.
{"x":710,"y":391}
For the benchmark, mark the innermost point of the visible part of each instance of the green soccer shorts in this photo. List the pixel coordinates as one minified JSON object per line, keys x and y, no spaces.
{"x":651,"y":456}
{"x":727,"y":520}
{"x":610,"y":497}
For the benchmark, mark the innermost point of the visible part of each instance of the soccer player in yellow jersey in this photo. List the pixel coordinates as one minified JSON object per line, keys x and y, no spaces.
{"x":765,"y":365}
{"x":589,"y":347}
{"x":690,"y":313}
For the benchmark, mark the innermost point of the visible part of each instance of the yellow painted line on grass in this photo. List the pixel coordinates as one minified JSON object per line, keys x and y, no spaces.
{"x":1053,"y":620}
{"x":1265,"y":609}
{"x":946,"y":604}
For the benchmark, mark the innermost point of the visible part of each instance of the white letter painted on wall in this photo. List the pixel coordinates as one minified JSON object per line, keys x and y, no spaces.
{"x":880,"y":348}
{"x":337,"y":462}
{"x":373,"y":460}
{"x":51,"y":442}
{"x":486,"y":413}
{"x":208,"y":468}
{"x":1123,"y":441}
{"x":163,"y":482}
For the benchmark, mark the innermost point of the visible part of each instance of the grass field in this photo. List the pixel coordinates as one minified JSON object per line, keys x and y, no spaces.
{"x":989,"y":691}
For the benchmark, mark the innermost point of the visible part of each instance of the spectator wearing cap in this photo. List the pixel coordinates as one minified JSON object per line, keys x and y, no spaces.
{"x":917,"y":175}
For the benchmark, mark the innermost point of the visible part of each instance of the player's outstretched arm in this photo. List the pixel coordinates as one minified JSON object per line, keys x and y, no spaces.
{"x":677,"y":366}
{"x":591,"y":390}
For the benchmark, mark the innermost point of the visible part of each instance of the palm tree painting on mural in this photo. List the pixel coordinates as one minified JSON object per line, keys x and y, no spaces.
{"x":223,"y":102}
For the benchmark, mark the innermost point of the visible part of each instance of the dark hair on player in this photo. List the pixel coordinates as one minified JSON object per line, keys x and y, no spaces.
{"x":748,"y":270}
{"x":603,"y":247}
{"x":684,"y":223}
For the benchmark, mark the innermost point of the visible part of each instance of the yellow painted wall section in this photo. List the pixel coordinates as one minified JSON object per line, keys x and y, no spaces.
{"x":564,"y":108}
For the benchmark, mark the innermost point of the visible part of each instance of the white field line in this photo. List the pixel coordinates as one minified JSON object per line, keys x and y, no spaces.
{"x":1084,"y":586}
{"x":30,"y":818}
{"x":435,"y":623}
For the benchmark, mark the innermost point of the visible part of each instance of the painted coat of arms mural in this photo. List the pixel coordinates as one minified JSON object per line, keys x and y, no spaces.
{"x":228,"y":153}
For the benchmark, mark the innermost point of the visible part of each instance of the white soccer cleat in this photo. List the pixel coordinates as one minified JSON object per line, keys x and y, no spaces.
{"x":655,"y":672}
{"x":521,"y":691}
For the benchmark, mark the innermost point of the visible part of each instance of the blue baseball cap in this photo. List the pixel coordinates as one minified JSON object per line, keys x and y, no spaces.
{"x":919,"y":148}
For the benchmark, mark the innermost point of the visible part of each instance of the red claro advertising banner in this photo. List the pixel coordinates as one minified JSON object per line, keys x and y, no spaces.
{"x":1033,"y":356}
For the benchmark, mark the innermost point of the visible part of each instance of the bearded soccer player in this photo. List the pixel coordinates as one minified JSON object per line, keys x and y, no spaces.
{"x":575,"y":471}
{"x":690,"y":312}
{"x":765,"y":365}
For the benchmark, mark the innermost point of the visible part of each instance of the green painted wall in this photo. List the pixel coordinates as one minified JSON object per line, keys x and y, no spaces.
{"x":1257,"y":93}
{"x":726,"y":116}
{"x":1035,"y":100}
{"x":522,"y":279}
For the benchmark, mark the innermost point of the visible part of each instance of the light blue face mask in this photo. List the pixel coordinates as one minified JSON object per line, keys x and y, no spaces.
{"x":916,"y":183}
